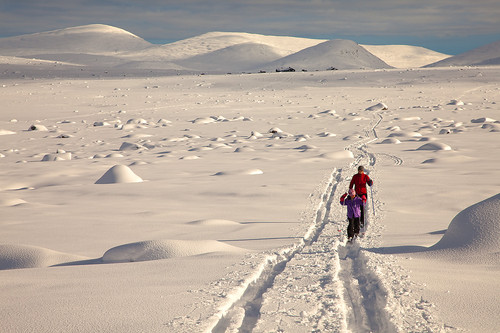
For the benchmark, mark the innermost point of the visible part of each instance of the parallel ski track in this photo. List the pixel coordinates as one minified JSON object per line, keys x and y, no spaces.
{"x":360,"y":292}
{"x":364,"y":294}
{"x":244,"y":313}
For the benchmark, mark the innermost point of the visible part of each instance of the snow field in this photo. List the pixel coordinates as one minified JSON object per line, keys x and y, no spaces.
{"x":286,"y":264}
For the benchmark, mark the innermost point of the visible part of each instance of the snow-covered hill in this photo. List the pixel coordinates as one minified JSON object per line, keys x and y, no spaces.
{"x":89,"y":39}
{"x":338,"y":53}
{"x":485,"y":55}
{"x":233,"y":58}
{"x":105,"y":47}
{"x":214,"y":41}
{"x":405,"y":56}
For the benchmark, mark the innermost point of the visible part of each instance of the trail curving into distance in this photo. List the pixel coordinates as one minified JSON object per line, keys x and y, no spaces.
{"x":321,"y":284}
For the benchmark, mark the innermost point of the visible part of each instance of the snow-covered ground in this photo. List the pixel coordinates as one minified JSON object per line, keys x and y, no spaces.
{"x":209,"y":203}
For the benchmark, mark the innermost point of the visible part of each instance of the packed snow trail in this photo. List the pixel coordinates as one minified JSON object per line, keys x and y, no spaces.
{"x":365,"y":294}
{"x":304,"y":287}
{"x":324,"y":284}
{"x":242,"y":315}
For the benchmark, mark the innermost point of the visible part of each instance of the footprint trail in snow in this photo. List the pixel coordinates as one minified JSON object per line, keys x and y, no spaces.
{"x":323,"y":283}
{"x":320,"y":284}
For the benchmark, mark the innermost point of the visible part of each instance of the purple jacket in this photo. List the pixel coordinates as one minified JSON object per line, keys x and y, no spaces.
{"x":353,"y":206}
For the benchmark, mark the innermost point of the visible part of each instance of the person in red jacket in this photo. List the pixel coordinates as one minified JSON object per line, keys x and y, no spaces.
{"x":359,"y":182}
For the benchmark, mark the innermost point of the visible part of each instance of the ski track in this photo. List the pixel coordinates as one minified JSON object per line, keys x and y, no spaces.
{"x":324,"y":284}
{"x":321,"y":283}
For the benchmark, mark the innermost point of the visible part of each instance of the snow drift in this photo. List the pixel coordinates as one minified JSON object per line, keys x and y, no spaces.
{"x":119,"y":174}
{"x":475,"y":230}
{"x":25,"y":256}
{"x":164,"y":249}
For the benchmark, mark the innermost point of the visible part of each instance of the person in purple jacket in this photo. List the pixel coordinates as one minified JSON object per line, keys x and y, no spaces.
{"x":353,"y":203}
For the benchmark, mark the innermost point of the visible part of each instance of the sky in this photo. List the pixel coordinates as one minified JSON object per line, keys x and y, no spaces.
{"x":447,"y":26}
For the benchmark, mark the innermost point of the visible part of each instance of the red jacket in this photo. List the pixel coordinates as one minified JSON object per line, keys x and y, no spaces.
{"x":359,"y":182}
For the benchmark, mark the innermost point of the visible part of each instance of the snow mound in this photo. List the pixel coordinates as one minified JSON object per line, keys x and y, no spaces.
{"x":244,"y":149}
{"x":491,"y":127}
{"x":204,"y":120}
{"x":63,"y":156}
{"x":38,"y":127}
{"x":190,"y":157}
{"x":11,"y":202}
{"x":343,"y":154}
{"x":405,"y":134}
{"x":249,"y":172}
{"x":164,"y":249}
{"x":214,"y":222}
{"x":304,"y":148}
{"x":126,"y":146}
{"x":137,"y":136}
{"x":482,"y":120}
{"x":6,"y":132}
{"x":434,"y":146}
{"x":326,"y":134}
{"x":119,"y":174}
{"x":391,"y":141}
{"x":474,"y":230}
{"x":457,"y":159}
{"x":378,"y":107}
{"x":24,"y":256}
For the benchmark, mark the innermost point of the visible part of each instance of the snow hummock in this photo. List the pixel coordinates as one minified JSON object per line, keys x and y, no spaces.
{"x":475,"y":230}
{"x":344,"y":154}
{"x":27,"y":256}
{"x":164,"y":249}
{"x":119,"y":174}
{"x":390,"y":141}
{"x":378,"y":107}
{"x":214,"y":222}
{"x":58,"y":156}
{"x":434,"y":146}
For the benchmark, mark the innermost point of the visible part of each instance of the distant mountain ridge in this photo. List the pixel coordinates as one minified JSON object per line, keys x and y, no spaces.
{"x":486,"y":55}
{"x":213,"y":41}
{"x":104,"y":46}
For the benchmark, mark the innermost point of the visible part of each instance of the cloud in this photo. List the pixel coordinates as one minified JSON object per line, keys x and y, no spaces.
{"x":160,"y":19}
